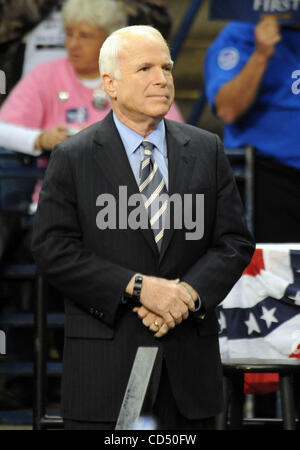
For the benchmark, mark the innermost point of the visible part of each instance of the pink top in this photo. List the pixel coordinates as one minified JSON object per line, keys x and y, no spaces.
{"x":52,"y":95}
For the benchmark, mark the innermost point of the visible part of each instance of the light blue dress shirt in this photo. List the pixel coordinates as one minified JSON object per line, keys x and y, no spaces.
{"x":132,"y":143}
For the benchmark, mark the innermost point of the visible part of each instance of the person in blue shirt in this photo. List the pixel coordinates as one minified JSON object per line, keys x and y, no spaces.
{"x":252,"y":80}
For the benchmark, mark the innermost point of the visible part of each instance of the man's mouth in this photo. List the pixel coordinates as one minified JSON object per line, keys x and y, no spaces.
{"x":159,"y":96}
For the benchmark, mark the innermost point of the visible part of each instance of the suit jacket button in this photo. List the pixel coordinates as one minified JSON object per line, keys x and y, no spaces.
{"x":98,"y":313}
{"x":92,"y":310}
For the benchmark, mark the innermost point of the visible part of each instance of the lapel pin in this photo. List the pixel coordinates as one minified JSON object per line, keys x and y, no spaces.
{"x":63,"y":96}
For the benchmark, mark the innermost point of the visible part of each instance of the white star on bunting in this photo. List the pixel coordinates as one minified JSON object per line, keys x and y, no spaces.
{"x":222,"y":322}
{"x":252,"y":324}
{"x":269,"y":316}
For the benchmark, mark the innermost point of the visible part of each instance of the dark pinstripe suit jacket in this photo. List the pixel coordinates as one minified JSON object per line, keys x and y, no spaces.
{"x":92,"y":267}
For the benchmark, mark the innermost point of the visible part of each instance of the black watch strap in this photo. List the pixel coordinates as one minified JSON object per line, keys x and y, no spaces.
{"x":137,"y":287}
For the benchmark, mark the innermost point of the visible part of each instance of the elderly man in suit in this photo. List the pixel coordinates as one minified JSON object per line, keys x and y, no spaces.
{"x":139,"y":276}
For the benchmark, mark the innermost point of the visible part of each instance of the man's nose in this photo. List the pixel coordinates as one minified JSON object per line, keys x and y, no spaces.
{"x":160,"y":77}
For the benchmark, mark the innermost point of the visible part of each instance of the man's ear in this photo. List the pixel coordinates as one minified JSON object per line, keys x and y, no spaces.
{"x":109,"y":84}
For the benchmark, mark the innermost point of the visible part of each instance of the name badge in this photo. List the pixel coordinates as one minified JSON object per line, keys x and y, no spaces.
{"x":77,"y":115}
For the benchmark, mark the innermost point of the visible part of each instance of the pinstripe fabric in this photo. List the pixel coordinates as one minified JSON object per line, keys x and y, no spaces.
{"x":92,"y":267}
{"x":152,"y":186}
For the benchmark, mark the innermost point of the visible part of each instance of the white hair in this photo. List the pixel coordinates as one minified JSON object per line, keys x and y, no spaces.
{"x":110,"y":50}
{"x":108,"y":15}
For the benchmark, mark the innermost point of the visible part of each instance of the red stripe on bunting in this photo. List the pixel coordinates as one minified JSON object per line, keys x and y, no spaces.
{"x":256,"y":265}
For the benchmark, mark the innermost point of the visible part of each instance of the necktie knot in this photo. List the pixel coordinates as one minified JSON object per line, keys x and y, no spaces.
{"x":148,"y":148}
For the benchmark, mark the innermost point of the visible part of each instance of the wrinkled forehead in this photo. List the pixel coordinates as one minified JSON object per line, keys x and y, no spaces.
{"x":139,"y":44}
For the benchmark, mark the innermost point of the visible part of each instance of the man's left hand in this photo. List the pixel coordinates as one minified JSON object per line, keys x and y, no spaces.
{"x":152,"y":321}
{"x":155,"y":322}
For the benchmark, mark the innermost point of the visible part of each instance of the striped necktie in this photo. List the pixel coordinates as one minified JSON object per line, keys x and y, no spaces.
{"x":152,"y":186}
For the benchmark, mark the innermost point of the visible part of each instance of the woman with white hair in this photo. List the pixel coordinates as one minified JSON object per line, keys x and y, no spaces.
{"x":64,"y":95}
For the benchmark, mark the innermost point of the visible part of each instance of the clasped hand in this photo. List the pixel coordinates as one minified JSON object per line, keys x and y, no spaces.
{"x":165,"y":304}
{"x":49,"y":138}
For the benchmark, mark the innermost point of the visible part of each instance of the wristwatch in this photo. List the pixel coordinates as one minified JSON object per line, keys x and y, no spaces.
{"x":137,"y":287}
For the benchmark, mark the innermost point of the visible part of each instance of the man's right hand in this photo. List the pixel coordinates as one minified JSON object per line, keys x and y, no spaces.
{"x":48,"y":139}
{"x":167,"y":299}
{"x":267,"y":35}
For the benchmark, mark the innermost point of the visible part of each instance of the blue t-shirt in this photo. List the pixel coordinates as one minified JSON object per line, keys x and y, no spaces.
{"x":272,"y":124}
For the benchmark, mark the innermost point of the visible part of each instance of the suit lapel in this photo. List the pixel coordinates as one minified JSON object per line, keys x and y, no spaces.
{"x":180,"y":167}
{"x":111,"y":157}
